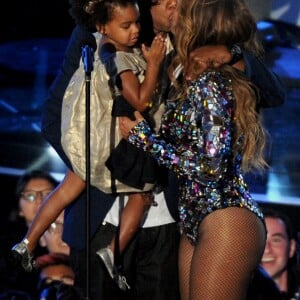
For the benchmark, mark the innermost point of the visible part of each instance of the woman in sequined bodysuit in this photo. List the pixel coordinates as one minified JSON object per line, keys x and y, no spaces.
{"x":210,"y":134}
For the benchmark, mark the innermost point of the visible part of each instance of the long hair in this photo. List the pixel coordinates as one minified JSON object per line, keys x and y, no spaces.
{"x":225,"y":22}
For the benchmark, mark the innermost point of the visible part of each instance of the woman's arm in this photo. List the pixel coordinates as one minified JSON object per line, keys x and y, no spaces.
{"x":202,"y":157}
{"x":272,"y":90}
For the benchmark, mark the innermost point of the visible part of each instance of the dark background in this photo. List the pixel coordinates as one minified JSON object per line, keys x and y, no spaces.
{"x":33,"y":37}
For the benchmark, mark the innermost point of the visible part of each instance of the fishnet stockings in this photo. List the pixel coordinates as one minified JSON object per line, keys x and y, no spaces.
{"x":219,"y":267}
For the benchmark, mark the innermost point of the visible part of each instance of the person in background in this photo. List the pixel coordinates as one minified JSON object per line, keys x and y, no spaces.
{"x":211,"y":134}
{"x":31,"y":189}
{"x":56,"y":277}
{"x":52,"y":237}
{"x":280,"y":255}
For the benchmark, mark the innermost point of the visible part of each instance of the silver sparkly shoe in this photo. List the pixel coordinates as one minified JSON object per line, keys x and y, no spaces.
{"x":21,"y":256}
{"x":107,"y":258}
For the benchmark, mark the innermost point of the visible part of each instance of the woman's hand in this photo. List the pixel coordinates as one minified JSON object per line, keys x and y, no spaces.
{"x":126,"y":124}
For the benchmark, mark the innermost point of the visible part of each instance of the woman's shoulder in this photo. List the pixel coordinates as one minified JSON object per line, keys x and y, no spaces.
{"x":210,"y":82}
{"x":210,"y":77}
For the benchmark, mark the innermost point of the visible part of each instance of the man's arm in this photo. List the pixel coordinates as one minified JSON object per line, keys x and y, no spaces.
{"x":272,"y":89}
{"x":51,"y":117}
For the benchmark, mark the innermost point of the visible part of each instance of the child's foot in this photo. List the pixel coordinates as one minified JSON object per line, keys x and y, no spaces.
{"x":21,"y":257}
{"x":107,"y":258}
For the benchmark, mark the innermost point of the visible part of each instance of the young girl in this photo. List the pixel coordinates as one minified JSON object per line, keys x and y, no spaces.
{"x":210,"y":134}
{"x":117,"y":21}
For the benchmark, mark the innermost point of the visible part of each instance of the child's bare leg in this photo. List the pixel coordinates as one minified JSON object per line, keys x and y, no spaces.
{"x":131,"y":218}
{"x":69,"y":189}
{"x":51,"y":208}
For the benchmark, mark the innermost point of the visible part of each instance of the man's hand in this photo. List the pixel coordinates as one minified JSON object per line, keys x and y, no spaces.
{"x":206,"y":57}
{"x":126,"y":124}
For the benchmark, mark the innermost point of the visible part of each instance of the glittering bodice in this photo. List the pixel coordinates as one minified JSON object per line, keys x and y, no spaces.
{"x":196,"y":142}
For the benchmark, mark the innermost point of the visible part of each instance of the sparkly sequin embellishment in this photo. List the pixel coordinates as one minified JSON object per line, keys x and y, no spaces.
{"x":196,"y":142}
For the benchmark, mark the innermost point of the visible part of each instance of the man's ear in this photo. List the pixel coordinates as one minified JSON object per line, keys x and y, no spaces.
{"x":292,"y":248}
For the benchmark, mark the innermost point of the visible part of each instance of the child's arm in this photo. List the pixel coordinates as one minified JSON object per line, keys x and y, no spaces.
{"x":138,"y":94}
{"x":69,"y":189}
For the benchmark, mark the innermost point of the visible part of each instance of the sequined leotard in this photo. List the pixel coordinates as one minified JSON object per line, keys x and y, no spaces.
{"x":196,"y":142}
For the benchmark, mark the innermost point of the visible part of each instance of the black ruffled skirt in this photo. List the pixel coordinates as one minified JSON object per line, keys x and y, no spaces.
{"x":130,"y":165}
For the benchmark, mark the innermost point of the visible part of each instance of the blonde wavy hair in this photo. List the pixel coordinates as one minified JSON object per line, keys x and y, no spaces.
{"x":225,"y":22}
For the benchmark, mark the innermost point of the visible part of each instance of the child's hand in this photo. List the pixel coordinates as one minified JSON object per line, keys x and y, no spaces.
{"x":156,"y":53}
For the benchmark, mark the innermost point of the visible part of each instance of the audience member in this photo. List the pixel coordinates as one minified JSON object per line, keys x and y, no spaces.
{"x":31,"y":188}
{"x":56,"y":277}
{"x":280,"y":255}
{"x":52,"y":237}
